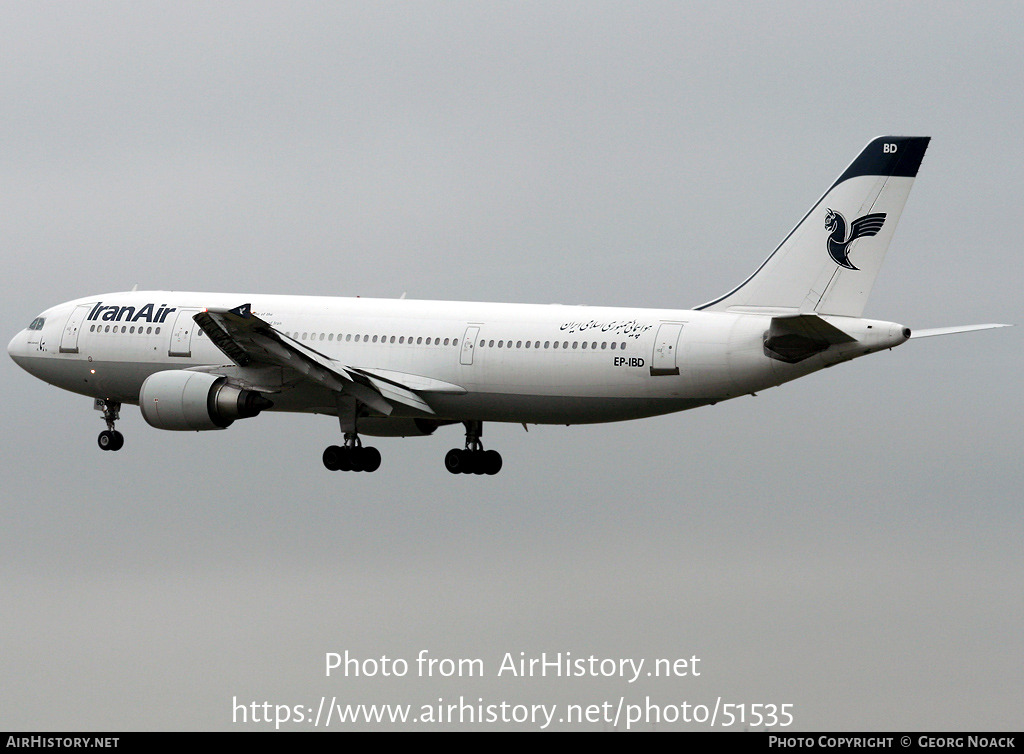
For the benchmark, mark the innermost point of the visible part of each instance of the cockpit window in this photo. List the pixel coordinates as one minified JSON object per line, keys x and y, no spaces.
{"x":37,"y":323}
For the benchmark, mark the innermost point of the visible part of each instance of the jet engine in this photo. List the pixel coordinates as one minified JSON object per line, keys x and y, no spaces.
{"x":194,"y":401}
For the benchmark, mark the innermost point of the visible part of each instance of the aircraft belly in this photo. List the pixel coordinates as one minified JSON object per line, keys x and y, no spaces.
{"x":554,"y":409}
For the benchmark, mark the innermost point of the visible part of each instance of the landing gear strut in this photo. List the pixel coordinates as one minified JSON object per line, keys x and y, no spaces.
{"x":473,"y":459}
{"x":351,"y":456}
{"x":110,"y":439}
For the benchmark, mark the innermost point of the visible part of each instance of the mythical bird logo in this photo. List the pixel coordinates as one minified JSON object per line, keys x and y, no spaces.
{"x":839,"y":244}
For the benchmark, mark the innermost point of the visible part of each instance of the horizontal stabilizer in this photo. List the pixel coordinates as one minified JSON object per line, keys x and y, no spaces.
{"x":951,"y":330}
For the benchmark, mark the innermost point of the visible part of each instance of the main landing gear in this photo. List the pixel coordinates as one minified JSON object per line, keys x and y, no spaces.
{"x":473,"y":459}
{"x":351,"y":457}
{"x":110,"y":439}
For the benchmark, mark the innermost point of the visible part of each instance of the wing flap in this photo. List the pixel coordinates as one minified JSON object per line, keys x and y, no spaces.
{"x":412,"y":381}
{"x":400,"y":395}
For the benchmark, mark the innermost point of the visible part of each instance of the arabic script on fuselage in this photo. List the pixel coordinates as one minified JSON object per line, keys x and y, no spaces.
{"x":629,"y":329}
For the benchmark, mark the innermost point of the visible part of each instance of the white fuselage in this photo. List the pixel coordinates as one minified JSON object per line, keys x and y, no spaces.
{"x":515,"y":362}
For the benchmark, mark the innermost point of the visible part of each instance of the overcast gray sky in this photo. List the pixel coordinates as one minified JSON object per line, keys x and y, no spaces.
{"x":848,"y":543}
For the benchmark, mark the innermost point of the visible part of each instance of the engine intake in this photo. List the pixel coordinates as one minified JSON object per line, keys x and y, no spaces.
{"x":195,"y":401}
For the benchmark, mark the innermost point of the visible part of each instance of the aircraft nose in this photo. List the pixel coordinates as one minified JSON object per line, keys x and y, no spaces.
{"x":16,"y":348}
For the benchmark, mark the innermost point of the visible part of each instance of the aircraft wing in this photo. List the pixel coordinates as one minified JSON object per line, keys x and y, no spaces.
{"x":249,"y":340}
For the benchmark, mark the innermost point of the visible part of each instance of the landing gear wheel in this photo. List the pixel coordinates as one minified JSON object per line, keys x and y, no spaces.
{"x":491,"y":462}
{"x":455,"y":461}
{"x":345,"y":459}
{"x":477,"y":463}
{"x":332,"y":457}
{"x":351,"y":458}
{"x":110,"y":439}
{"x":355,"y":458}
{"x":370,"y":459}
{"x":473,"y":461}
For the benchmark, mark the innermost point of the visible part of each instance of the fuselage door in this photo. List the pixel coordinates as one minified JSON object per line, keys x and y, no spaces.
{"x":469,"y":345}
{"x":666,"y":348}
{"x":69,"y":338}
{"x":181,"y":333}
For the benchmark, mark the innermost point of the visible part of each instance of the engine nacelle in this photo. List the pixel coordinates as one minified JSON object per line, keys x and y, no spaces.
{"x":194,"y":401}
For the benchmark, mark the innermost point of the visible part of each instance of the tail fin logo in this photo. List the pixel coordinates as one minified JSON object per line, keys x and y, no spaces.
{"x":839,"y":244}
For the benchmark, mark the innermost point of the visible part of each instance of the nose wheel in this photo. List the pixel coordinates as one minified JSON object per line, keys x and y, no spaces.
{"x":473,"y":459}
{"x":110,"y":439}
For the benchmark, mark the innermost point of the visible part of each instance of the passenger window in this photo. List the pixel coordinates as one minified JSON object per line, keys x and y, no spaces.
{"x":419,"y":341}
{"x":584,"y":345}
{"x":374,"y":338}
{"x":321,"y":336}
{"x":455,"y":341}
{"x":133,"y":330}
{"x":536,"y":344}
{"x":613,"y":345}
{"x":92,"y":328}
{"x":593,"y":345}
{"x":527,"y":344}
{"x":519,"y":344}
{"x":157,"y":331}
{"x":547,"y":343}
{"x":575,"y":343}
{"x":348,"y":337}
{"x":149,"y":330}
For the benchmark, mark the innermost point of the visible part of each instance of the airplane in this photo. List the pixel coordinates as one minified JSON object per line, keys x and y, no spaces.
{"x":397,"y":367}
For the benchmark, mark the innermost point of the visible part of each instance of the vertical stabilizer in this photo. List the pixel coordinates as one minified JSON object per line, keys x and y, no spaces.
{"x":828,"y":262}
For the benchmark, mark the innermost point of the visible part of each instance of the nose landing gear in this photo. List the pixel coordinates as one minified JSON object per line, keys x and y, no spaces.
{"x":473,"y":459}
{"x":110,"y":439}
